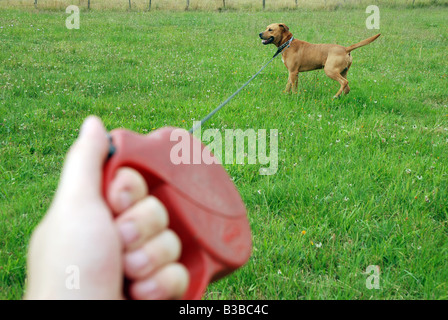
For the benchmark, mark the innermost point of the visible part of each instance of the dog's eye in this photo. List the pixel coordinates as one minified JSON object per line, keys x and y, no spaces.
{"x":270,"y":30}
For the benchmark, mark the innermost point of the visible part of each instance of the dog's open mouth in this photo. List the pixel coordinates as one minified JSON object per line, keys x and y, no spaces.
{"x":268,"y":41}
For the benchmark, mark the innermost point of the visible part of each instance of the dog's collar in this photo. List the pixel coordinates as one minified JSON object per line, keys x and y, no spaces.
{"x":283,"y":46}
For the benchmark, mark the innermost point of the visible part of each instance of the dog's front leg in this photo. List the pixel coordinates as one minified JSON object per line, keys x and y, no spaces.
{"x":292,"y":82}
{"x":295,"y":82}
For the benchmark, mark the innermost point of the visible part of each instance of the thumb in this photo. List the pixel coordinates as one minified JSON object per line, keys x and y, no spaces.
{"x":82,"y":173}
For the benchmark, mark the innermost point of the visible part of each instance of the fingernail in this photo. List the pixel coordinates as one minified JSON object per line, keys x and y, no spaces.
{"x":151,"y":290}
{"x":129,"y":232}
{"x":136,"y":261}
{"x":88,"y":122}
{"x":125,"y":199}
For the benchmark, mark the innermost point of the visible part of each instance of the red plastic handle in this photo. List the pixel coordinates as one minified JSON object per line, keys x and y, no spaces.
{"x":204,"y":206}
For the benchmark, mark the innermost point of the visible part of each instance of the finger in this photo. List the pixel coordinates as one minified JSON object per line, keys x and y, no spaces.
{"x":161,"y":250}
{"x":141,"y":222}
{"x":82,"y":173}
{"x":171,"y":282}
{"x":127,"y":188}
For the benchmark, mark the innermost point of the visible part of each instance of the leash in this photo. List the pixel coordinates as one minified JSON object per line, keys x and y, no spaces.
{"x":284,"y":46}
{"x":207,"y":253}
{"x":207,"y":117}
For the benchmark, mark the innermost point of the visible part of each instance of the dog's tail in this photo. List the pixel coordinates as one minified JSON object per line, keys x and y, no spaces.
{"x":362,"y":43}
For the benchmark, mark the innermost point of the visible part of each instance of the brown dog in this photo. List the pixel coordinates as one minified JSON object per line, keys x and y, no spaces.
{"x":299,"y":56}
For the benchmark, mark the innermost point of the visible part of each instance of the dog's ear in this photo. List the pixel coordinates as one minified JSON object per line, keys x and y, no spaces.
{"x":284,"y":26}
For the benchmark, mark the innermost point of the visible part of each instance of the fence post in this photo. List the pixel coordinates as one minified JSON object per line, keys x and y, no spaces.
{"x":224,"y":3}
{"x":188,"y":5}
{"x":149,"y":6}
{"x":35,"y":4}
{"x":129,"y":4}
{"x":88,"y":4}
{"x":264,"y":4}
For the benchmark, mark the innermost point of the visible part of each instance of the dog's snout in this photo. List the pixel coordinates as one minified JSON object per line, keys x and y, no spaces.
{"x":261,"y":35}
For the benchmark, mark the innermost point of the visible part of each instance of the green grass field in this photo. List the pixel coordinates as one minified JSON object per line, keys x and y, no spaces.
{"x":362,"y":180}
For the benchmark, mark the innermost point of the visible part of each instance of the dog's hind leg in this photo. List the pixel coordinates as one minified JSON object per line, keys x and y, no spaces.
{"x":336,"y":75}
{"x":336,"y":68}
{"x":344,"y":74}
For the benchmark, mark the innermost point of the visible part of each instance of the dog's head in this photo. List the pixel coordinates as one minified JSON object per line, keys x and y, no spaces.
{"x":275,"y":33}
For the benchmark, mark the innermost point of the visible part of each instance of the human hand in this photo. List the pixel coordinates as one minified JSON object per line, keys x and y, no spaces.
{"x":103,"y":243}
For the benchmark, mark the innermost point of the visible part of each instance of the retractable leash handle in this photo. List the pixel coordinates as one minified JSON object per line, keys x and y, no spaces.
{"x":204,"y":207}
